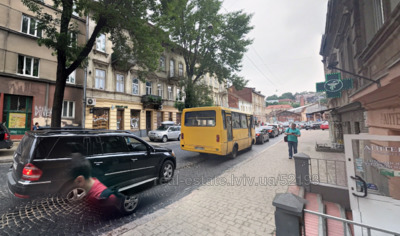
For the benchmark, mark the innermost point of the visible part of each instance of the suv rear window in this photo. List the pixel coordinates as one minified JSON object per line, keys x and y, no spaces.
{"x":24,"y":148}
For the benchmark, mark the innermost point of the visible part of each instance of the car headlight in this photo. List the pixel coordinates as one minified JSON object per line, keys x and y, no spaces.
{"x":173,"y":154}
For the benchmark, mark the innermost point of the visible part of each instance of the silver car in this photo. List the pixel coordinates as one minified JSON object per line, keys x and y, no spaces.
{"x":165,"y":133}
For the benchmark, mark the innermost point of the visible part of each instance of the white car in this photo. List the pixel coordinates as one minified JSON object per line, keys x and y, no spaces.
{"x":165,"y":133}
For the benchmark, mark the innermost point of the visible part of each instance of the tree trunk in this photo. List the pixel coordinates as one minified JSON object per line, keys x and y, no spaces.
{"x":58,"y":97}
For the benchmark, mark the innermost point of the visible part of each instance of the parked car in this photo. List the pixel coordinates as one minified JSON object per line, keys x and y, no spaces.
{"x":272,"y":130}
{"x":278,"y":127}
{"x":5,"y":137}
{"x":324,"y":126}
{"x":120,"y":160}
{"x":316,"y":125}
{"x":165,"y":132}
{"x":262,"y":135}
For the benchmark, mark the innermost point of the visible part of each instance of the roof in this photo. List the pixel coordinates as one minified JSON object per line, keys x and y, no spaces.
{"x":283,"y":106}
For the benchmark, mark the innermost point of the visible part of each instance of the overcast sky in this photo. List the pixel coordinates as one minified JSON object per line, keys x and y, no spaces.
{"x":284,"y":56}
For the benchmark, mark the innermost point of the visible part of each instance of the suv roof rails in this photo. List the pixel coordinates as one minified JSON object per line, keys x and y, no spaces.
{"x":78,"y":130}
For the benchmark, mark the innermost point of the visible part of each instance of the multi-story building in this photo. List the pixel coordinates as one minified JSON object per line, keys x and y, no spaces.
{"x":250,"y":99}
{"x":219,"y":90}
{"x":361,"y":37}
{"x":120,"y":100}
{"x":28,"y":72}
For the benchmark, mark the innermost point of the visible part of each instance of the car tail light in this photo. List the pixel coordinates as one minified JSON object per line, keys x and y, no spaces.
{"x":6,"y":136}
{"x":217,"y":138}
{"x":181,"y":135}
{"x":269,"y":131}
{"x":31,"y":172}
{"x":257,"y":135}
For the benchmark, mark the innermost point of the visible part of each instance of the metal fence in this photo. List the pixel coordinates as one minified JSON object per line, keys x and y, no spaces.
{"x":328,"y":171}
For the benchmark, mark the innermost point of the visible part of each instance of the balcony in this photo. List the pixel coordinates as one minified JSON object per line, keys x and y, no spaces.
{"x":175,"y":77}
{"x":152,"y":102}
{"x":121,"y":61}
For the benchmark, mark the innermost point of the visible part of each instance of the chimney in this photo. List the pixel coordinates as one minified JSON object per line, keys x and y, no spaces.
{"x":302,"y":101}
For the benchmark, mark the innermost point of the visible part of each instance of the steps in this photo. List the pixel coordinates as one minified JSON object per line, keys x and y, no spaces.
{"x":315,"y":225}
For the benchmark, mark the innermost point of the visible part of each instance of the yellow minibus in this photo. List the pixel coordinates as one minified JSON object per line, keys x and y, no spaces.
{"x":216,"y":130}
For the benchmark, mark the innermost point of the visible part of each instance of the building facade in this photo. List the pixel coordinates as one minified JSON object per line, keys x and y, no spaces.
{"x":362,"y":37}
{"x":122,"y":101}
{"x":249,"y":98}
{"x":28,"y":72}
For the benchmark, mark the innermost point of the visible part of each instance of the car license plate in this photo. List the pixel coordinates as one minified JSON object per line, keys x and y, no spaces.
{"x":199,"y":148}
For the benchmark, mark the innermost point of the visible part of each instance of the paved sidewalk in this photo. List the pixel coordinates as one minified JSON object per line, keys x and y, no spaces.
{"x":238,"y":202}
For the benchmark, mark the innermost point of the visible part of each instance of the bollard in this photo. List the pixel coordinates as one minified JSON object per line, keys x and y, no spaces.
{"x":288,"y":214}
{"x":302,"y":166}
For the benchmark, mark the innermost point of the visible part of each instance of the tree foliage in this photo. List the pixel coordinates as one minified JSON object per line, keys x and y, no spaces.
{"x":212,"y":43}
{"x":287,"y":95}
{"x":273,"y":97}
{"x":126,"y":21}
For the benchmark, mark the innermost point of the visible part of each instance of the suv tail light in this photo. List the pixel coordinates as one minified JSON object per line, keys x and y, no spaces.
{"x":6,"y":136}
{"x":31,"y":172}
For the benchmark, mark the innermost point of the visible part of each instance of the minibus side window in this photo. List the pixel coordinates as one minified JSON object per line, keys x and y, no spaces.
{"x":224,"y":119}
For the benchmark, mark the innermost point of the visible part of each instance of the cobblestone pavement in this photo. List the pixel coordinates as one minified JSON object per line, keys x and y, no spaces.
{"x":54,"y":216}
{"x":238,"y":202}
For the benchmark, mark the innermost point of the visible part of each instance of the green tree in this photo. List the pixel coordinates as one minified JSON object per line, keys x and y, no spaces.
{"x":273,"y":97}
{"x":287,"y":96}
{"x":200,"y":94}
{"x":125,"y":20}
{"x":211,"y":42}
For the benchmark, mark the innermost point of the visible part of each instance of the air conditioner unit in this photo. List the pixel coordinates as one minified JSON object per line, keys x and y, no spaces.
{"x":90,"y":101}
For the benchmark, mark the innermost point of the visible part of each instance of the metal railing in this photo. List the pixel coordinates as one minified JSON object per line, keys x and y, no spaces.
{"x":328,"y":171}
{"x":365,"y":227}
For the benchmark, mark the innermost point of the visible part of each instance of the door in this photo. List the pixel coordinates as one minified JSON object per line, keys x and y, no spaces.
{"x":120,"y":119}
{"x":144,"y":162}
{"x":111,"y":160}
{"x":229,"y":133}
{"x":373,"y":168}
{"x":148,"y":121}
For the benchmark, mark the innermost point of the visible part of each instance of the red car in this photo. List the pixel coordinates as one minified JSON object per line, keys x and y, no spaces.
{"x":324,"y":125}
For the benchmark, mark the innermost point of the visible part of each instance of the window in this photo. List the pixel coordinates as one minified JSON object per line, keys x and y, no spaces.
{"x":28,"y":66}
{"x":171,"y":68}
{"x":235,"y":120}
{"x":101,"y":43}
{"x":65,"y":146}
{"x":160,"y":90}
{"x":200,"y":118}
{"x":73,"y":40}
{"x":30,"y":26}
{"x":71,"y":78}
{"x":178,"y":94}
{"x":162,"y":63}
{"x":135,"y":86}
{"x":120,"y":83}
{"x":135,"y":145}
{"x":100,"y":79}
{"x":135,"y":119}
{"x":68,"y":109}
{"x":180,"y":69}
{"x":169,"y":92}
{"x":243,"y":121}
{"x":148,"y":88}
{"x":113,"y":144}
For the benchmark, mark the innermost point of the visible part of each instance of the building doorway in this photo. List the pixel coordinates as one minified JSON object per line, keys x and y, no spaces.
{"x":17,"y":113}
{"x":148,"y":121}
{"x":120,"y":119}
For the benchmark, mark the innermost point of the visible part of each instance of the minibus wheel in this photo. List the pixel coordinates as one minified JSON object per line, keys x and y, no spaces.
{"x":233,"y":154}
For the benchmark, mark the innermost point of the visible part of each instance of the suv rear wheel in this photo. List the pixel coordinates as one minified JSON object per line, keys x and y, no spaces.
{"x":129,"y":204}
{"x":167,"y":172}
{"x":74,"y":194}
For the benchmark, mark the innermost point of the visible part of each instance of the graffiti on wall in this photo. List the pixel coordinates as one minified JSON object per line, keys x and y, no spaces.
{"x":41,"y":111}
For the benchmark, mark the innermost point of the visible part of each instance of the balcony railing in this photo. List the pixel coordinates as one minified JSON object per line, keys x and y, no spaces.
{"x":152,"y":102}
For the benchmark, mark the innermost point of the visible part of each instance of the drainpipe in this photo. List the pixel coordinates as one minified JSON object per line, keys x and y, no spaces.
{"x":85,"y":79}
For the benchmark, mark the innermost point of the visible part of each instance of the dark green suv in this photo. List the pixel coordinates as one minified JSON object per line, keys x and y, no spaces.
{"x":120,"y":160}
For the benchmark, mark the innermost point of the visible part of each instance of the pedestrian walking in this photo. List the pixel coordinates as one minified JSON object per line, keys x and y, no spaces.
{"x":293,"y":133}
{"x":36,"y":126}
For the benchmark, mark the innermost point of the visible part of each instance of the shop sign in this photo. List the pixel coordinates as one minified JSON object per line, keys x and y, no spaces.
{"x":17,"y":120}
{"x":334,"y":85}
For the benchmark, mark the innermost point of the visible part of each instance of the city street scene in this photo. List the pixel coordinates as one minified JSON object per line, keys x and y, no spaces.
{"x":200,"y":117}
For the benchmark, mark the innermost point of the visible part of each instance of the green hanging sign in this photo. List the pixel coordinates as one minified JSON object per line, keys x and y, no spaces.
{"x":334,"y":85}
